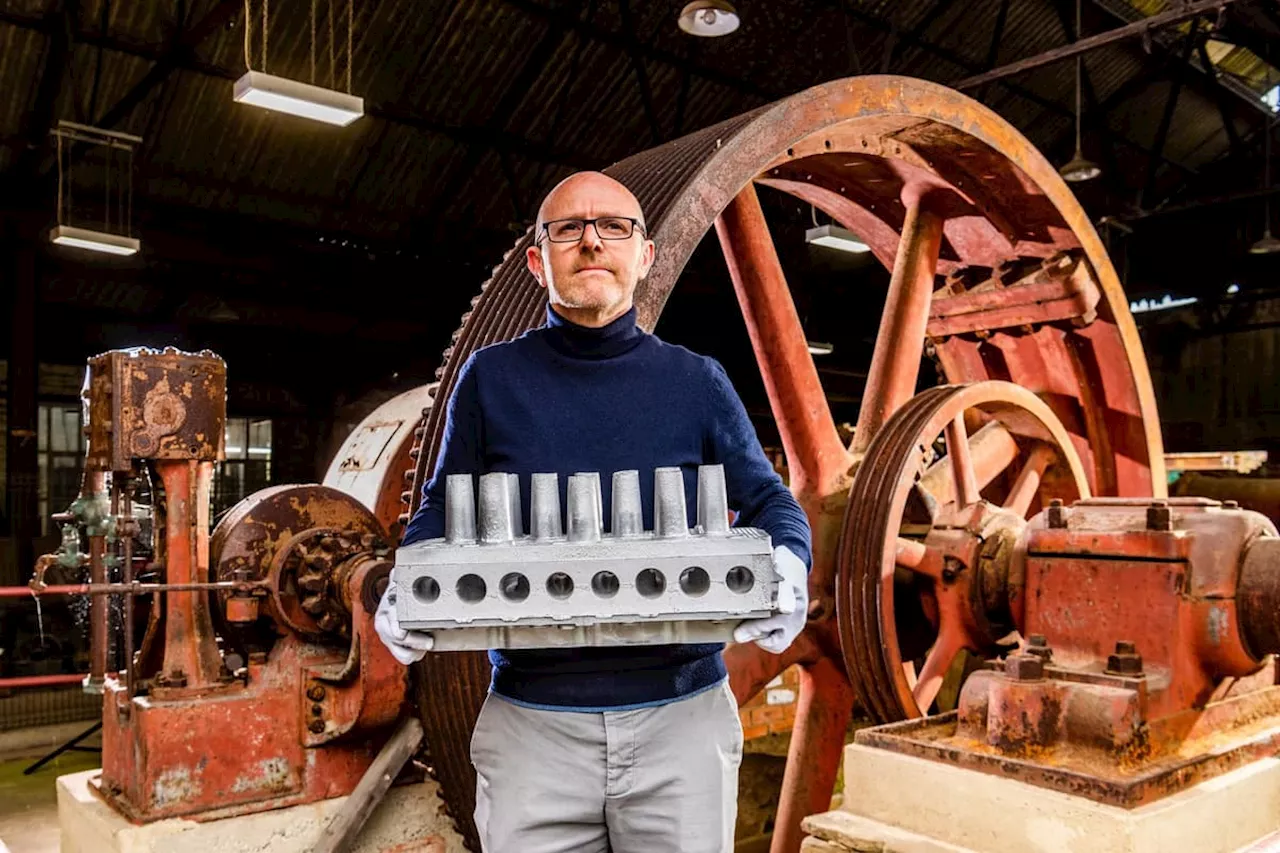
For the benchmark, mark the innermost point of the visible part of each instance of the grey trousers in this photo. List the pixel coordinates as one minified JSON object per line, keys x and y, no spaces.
{"x":653,"y":780}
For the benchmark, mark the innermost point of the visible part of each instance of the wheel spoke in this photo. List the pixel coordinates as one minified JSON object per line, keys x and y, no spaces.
{"x":895,"y":364}
{"x":751,"y":667}
{"x":1028,"y":482}
{"x":919,"y":557}
{"x":931,"y":676}
{"x":964,"y":478}
{"x":823,"y":710}
{"x":817,"y":461}
{"x":992,"y":450}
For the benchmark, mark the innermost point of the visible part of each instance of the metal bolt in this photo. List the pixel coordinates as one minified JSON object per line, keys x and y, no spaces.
{"x":1159,"y":516}
{"x":1057,"y":515}
{"x":1024,"y":667}
{"x":315,"y":692}
{"x":1038,"y":646}
{"x":317,"y":710}
{"x":316,"y":726}
{"x":1126,"y":660}
{"x":951,"y":568}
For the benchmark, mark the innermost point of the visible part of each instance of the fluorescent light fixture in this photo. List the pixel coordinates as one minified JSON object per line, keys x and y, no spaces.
{"x":1163,"y":304}
{"x":709,"y":18}
{"x":97,"y":241}
{"x":300,"y":99}
{"x":819,"y":348}
{"x":835,"y":237}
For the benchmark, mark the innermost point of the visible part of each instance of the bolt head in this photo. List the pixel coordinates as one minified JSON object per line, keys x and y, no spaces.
{"x":1126,"y":647}
{"x":316,"y":726}
{"x":1037,"y":640}
{"x":1159,"y":516}
{"x":315,"y":692}
{"x":1024,"y":667}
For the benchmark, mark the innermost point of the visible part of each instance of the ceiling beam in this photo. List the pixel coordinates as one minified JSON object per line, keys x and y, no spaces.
{"x":965,"y":65}
{"x":1139,"y":29}
{"x":58,"y":24}
{"x":481,"y":136}
{"x":637,"y":67}
{"x":1166,"y":118}
{"x":516,"y":91}
{"x":1220,"y":98}
{"x":183,"y":50}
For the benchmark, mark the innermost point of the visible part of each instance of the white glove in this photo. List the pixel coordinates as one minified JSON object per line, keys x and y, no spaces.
{"x":405,"y":646}
{"x":777,"y":632}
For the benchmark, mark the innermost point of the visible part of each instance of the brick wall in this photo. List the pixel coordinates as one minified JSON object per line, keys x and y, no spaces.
{"x":774,"y":710}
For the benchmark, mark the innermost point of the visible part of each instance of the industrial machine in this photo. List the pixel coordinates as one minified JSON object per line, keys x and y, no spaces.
{"x":921,"y":546}
{"x":262,"y":688}
{"x":998,"y":551}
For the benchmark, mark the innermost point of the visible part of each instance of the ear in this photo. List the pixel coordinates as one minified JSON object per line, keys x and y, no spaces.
{"x":533,"y":258}
{"x":647,"y":255}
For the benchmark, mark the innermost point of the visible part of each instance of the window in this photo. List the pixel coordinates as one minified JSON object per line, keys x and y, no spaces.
{"x":60,"y":450}
{"x":248,"y":465}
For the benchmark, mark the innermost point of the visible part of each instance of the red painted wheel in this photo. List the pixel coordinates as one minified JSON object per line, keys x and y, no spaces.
{"x":997,"y":274}
{"x":933,"y":515}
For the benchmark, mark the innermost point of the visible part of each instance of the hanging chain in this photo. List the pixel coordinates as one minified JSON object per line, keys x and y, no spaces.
{"x":349,"y":19}
{"x":313,"y":42}
{"x":332,"y":72}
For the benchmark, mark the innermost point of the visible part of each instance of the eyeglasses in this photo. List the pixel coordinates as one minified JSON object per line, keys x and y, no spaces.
{"x":608,"y":227}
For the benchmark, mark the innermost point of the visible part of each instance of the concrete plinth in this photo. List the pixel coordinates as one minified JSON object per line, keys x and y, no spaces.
{"x":903,"y":804}
{"x":409,"y":820}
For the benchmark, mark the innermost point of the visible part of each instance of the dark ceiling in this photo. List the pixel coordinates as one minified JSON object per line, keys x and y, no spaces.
{"x":372,"y":238}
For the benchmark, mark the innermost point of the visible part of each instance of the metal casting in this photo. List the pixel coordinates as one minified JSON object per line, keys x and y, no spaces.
{"x":485,"y":585}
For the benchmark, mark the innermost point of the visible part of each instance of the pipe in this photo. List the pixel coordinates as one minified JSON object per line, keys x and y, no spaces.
{"x":134,"y":588}
{"x":42,"y":680}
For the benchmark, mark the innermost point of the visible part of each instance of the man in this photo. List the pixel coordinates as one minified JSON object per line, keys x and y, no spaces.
{"x":607,"y":749}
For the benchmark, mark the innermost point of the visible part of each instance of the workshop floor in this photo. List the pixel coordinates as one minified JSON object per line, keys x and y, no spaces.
{"x":29,"y":804}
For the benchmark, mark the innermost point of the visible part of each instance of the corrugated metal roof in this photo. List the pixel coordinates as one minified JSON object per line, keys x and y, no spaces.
{"x":558,"y":73}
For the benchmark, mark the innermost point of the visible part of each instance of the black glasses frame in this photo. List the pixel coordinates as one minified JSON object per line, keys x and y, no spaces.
{"x":635,"y":224}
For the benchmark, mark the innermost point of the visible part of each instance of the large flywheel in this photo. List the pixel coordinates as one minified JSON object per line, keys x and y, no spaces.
{"x":997,"y":274}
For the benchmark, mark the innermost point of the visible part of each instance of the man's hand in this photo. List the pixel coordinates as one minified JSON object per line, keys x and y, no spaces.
{"x":405,"y":646}
{"x":775,"y":633}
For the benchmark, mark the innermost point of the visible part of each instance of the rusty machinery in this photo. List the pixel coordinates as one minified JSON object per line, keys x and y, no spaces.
{"x":997,"y":276}
{"x":262,"y":687}
{"x":955,"y":519}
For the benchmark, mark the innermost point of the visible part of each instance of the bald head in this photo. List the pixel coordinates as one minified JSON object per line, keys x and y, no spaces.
{"x":587,"y":191}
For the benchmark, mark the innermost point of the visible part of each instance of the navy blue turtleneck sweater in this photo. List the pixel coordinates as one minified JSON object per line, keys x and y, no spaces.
{"x":567,"y":398}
